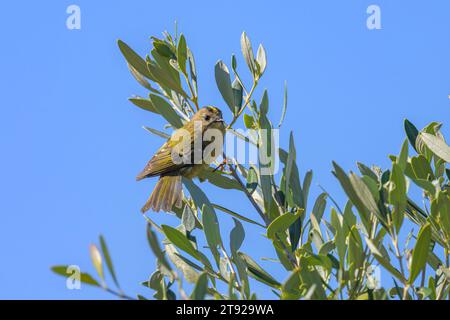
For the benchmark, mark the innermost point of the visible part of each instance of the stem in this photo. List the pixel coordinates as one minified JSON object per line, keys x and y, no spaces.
{"x":118,"y":294}
{"x":332,"y":199}
{"x":183,"y":294}
{"x":229,"y":261}
{"x":405,"y":292}
{"x":399,"y":257}
{"x":240,"y":81}
{"x":249,"y":196}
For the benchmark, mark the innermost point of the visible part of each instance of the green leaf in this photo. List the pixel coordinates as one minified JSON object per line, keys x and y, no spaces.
{"x":182,"y":54}
{"x":264,"y":105}
{"x":199,"y":197}
{"x":291,"y":287}
{"x":134,"y":59}
{"x":144,"y":104}
{"x":211,"y":226}
{"x":163,"y":75}
{"x":411,"y":133}
{"x":157,"y":132}
{"x":223,"y":82}
{"x":236,"y":215}
{"x":347,"y":185}
{"x":96,"y":259}
{"x":355,"y":251}
{"x":366,"y":171}
{"x":289,"y":168}
{"x":188,"y":218}
{"x":192,"y":70}
{"x":383,"y":260}
{"x":189,"y":262}
{"x":397,"y":194}
{"x":403,"y":157}
{"x":266,"y":157}
{"x":108,"y":260}
{"x":84,"y":277}
{"x":420,"y":252}
{"x":233,"y":63}
{"x":249,"y":122}
{"x":306,"y":185}
{"x":167,"y":71}
{"x":442,"y":204}
{"x":261,"y":59}
{"x":201,"y":287}
{"x":257,"y":272}
{"x":237,"y":95}
{"x":252,"y":180}
{"x":141,"y":79}
{"x":421,"y":167}
{"x":237,"y":236}
{"x":285,"y":102}
{"x":319,"y":206}
{"x":220,"y":180}
{"x":437,"y":146}
{"x":433,"y":129}
{"x":363,"y":193}
{"x":180,"y":240}
{"x":187,"y":269}
{"x":282,"y":223}
{"x":212,"y":231}
{"x":247,"y":51}
{"x":327,"y":247}
{"x":295,"y":230}
{"x":162,"y":48}
{"x":166,"y":110}
{"x":425,"y":185}
{"x":156,"y":249}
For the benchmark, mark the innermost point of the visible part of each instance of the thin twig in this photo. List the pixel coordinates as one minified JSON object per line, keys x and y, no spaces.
{"x":118,"y":294}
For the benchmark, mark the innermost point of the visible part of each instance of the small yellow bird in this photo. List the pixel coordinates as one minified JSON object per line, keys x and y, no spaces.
{"x":168,"y":190}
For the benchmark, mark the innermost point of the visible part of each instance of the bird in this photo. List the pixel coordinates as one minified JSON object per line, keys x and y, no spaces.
{"x":166,"y":162}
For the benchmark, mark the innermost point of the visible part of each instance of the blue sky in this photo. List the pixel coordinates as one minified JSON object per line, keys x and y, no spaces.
{"x":72,"y":144}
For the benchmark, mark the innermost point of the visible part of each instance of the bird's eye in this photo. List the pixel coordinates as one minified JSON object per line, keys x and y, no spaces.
{"x":207,"y":118}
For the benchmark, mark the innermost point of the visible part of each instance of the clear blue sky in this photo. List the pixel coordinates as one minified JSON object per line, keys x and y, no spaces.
{"x":72,"y":144}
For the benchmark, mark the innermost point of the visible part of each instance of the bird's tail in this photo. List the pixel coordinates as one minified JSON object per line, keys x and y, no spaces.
{"x":168,"y":192}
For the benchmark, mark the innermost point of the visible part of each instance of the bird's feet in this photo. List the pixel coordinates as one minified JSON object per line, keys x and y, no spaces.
{"x":221,"y":166}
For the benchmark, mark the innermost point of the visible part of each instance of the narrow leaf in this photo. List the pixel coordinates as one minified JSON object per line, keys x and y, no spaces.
{"x":108,"y":260}
{"x":236,"y":215}
{"x":437,"y":146}
{"x":420,"y":252}
{"x":223,"y":82}
{"x":96,"y":259}
{"x":179,"y":240}
{"x":257,"y":272}
{"x":411,"y":133}
{"x":247,"y":51}
{"x":282,"y":223}
{"x":134,"y":59}
{"x":201,"y":287}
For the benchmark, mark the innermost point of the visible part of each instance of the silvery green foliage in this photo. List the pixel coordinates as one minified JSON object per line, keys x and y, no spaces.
{"x":326,"y":250}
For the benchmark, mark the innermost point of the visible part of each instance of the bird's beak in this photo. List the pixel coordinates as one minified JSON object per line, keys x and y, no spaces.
{"x":219,"y":120}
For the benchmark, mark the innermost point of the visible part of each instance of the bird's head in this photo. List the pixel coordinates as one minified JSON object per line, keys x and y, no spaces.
{"x":211,"y":117}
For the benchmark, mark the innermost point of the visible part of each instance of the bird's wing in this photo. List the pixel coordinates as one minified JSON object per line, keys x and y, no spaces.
{"x":162,"y":162}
